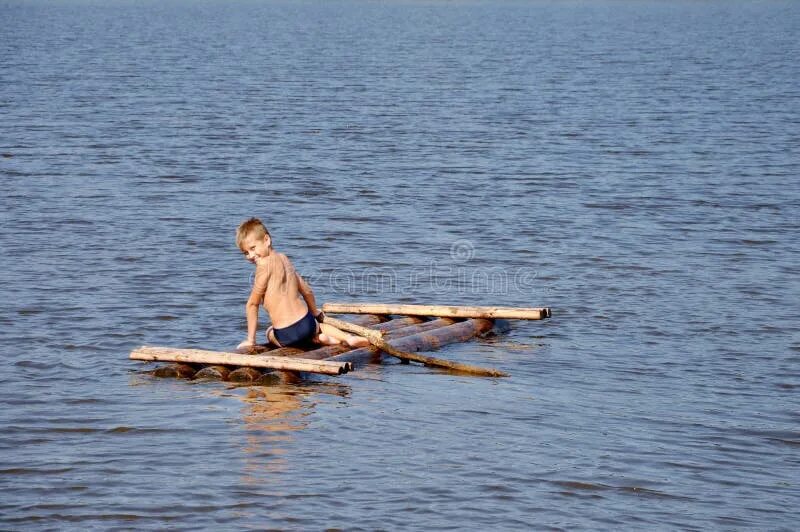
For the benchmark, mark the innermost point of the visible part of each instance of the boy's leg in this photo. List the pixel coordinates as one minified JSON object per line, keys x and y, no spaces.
{"x":324,"y":339}
{"x":271,"y":337}
{"x":349,"y":339}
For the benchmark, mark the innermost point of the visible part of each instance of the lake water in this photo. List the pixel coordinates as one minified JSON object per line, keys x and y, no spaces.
{"x":632,"y":165}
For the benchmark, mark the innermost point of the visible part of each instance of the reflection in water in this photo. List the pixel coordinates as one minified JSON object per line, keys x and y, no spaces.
{"x":271,"y":414}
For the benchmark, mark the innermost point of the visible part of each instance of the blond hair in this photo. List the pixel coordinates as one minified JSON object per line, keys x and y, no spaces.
{"x":254,"y":227}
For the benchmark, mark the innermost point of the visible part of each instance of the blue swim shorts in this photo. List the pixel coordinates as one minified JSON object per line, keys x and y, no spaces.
{"x":300,"y":331}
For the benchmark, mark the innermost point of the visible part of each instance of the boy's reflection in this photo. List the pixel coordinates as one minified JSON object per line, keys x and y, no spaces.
{"x":271,"y":415}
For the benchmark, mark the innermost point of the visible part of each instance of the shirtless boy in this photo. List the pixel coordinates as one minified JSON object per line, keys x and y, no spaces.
{"x":286,"y":296}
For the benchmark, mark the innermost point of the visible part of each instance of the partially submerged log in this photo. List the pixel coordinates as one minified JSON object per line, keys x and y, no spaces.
{"x":377,"y":340}
{"x":449,"y":311}
{"x":216,"y":372}
{"x":254,"y":349}
{"x":429,"y":340}
{"x":179,"y":371}
{"x":458,"y":332}
{"x":395,"y":324}
{"x":244,"y":374}
{"x":368,"y":320}
{"x":422,"y":327}
{"x":371,"y":334}
{"x":234,"y":359}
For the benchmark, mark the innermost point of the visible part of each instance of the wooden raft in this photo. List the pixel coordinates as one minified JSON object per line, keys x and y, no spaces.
{"x":417,"y":328}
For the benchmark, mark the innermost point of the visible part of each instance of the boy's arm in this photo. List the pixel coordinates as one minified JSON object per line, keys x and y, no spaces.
{"x":253,"y":302}
{"x":307,"y":294}
{"x":304,"y":289}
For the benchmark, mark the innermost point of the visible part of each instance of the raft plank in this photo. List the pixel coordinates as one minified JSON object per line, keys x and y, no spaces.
{"x":200,"y":356}
{"x":444,"y":311}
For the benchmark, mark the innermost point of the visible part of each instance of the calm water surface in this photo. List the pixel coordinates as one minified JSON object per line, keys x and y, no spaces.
{"x":633,"y":165}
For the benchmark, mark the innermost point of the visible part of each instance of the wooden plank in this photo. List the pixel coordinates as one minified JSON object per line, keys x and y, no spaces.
{"x":199,"y":356}
{"x":365,"y":332}
{"x":448,"y":311}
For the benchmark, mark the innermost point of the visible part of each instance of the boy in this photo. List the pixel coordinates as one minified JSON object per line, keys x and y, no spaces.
{"x":287,"y":298}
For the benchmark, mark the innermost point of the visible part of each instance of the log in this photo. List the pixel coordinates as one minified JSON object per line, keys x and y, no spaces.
{"x":371,"y":334}
{"x":448,"y":311}
{"x":244,"y":374}
{"x":428,"y":340}
{"x":234,"y":359}
{"x":397,"y":323}
{"x":458,"y":332}
{"x":367,"y":320}
{"x":422,"y":327}
{"x":215,"y":372}
{"x":254,"y":349}
{"x":179,"y":371}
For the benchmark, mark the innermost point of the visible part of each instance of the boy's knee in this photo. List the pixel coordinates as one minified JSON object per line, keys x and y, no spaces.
{"x":327,"y":340}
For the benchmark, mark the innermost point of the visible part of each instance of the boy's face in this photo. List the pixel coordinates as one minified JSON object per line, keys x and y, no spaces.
{"x":254,"y":248}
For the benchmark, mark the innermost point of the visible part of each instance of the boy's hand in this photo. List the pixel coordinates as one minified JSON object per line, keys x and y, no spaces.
{"x":246,"y":343}
{"x":320,"y":317}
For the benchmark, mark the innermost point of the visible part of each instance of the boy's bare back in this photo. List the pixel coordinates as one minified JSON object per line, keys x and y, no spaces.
{"x":278,"y":286}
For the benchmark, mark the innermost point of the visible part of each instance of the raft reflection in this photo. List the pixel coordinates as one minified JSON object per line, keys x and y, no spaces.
{"x":271,"y":415}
